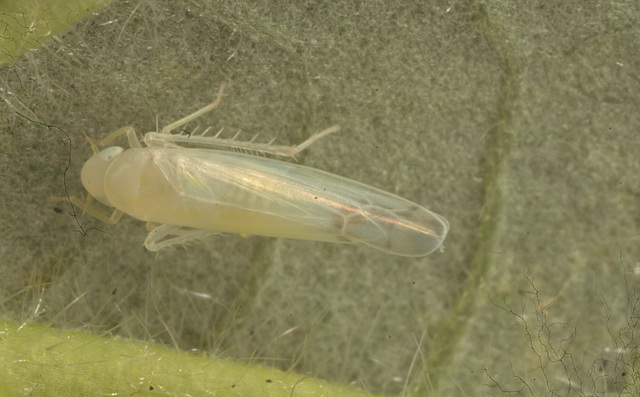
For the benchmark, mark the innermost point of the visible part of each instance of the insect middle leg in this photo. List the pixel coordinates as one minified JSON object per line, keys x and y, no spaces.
{"x":196,"y":114}
{"x":153,"y":241}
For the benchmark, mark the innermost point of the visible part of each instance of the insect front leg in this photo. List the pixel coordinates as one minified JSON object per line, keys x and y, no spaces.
{"x":132,"y":139}
{"x":98,"y":213}
{"x":153,"y":241}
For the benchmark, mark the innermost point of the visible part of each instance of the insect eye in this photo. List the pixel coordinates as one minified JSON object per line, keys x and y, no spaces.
{"x":110,"y":153}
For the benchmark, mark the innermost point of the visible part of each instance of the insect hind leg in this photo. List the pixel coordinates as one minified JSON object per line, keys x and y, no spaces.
{"x":165,"y":138}
{"x":160,"y":139}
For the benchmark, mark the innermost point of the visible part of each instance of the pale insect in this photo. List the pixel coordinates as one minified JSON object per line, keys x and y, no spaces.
{"x":195,"y":192}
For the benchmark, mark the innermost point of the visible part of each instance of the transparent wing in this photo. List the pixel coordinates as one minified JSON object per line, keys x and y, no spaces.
{"x":352,"y":210}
